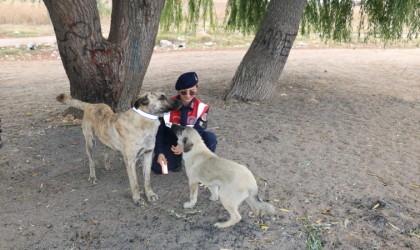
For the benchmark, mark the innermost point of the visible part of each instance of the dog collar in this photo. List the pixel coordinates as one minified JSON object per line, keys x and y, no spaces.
{"x":147,"y":115}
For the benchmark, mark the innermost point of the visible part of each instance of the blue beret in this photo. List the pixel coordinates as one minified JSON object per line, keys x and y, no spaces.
{"x":186,"y":81}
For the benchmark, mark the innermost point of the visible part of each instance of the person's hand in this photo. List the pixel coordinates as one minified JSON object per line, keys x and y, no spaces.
{"x":161,"y":158}
{"x":176,"y":150}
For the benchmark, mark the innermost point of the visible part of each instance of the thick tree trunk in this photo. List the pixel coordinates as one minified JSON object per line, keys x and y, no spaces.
{"x":103,"y":70}
{"x":257,"y":75}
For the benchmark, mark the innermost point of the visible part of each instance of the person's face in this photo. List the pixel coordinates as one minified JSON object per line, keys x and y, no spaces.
{"x":187,"y":94}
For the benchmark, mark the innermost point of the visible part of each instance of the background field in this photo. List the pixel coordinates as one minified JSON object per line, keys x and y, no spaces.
{"x":20,"y":19}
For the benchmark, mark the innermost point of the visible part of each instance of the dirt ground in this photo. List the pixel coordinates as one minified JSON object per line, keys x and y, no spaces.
{"x":337,"y":151}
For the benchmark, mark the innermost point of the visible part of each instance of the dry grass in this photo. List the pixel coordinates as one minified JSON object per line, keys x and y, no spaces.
{"x":20,"y":18}
{"x":25,"y":30}
{"x":15,"y":12}
{"x":24,"y":19}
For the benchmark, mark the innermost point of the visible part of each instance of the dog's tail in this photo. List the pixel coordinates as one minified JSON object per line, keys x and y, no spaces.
{"x":66,"y":99}
{"x":258,"y":205}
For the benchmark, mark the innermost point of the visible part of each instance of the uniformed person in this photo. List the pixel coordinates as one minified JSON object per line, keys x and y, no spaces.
{"x":193,"y":113}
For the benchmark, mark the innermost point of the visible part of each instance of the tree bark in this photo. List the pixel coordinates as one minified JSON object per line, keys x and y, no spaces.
{"x":257,"y":75}
{"x":103,"y":70}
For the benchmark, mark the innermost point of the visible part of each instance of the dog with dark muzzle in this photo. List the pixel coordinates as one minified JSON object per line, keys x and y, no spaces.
{"x":234,"y":182}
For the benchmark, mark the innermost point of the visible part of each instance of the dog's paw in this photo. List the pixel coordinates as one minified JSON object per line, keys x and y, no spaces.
{"x":108,"y":167}
{"x":189,"y":204}
{"x":139,"y":201}
{"x":92,"y":179}
{"x":223,"y":224}
{"x":214,"y":197}
{"x":151,"y":196}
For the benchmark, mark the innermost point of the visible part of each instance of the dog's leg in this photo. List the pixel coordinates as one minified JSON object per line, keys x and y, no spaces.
{"x":252,"y":201}
{"x":193,"y":195}
{"x":88,"y":133}
{"x":147,"y":166}
{"x":214,"y":193}
{"x":108,"y":155}
{"x":232,"y":208}
{"x":130,"y":164}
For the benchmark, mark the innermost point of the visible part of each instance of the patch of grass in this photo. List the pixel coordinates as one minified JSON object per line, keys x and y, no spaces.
{"x":415,"y":232}
{"x":314,"y":241}
{"x":312,"y":229}
{"x":218,"y":40}
{"x":21,"y":30}
{"x":165,"y":36}
{"x":10,"y":51}
{"x":23,"y":53}
{"x":233,"y":40}
{"x":186,"y":215}
{"x":203,"y":38}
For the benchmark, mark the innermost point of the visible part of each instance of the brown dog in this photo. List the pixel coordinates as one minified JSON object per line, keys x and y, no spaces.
{"x":231,"y":182}
{"x":132,"y":133}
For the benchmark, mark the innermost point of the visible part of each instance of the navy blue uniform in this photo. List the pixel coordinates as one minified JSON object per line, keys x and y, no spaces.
{"x":194,"y":115}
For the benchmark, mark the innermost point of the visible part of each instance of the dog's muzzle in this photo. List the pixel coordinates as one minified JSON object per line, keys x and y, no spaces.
{"x":177,"y":104}
{"x":176,"y":128}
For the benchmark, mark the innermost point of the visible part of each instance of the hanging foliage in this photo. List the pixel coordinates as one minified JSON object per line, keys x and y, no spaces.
{"x":244,"y":15}
{"x":331,"y":19}
{"x":383,"y":19}
{"x":387,"y":19}
{"x":173,"y":16}
{"x":207,"y":11}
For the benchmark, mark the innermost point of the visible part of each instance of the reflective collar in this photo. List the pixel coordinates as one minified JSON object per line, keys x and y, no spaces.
{"x":147,"y":115}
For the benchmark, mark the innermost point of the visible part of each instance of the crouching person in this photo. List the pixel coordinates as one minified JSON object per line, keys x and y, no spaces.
{"x":193,"y":113}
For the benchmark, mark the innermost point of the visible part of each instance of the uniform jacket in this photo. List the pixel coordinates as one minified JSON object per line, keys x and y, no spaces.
{"x":194,"y":115}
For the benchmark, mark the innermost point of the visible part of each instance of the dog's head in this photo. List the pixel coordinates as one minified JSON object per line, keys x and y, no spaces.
{"x":187,"y":137}
{"x":156,"y":103}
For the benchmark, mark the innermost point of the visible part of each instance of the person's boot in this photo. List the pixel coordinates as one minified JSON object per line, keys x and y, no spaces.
{"x":179,"y":165}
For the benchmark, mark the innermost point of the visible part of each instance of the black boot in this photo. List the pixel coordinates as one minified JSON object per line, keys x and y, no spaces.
{"x":179,"y":164}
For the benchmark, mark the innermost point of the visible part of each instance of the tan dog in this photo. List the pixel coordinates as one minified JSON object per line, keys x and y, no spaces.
{"x":234,"y":182}
{"x":132,"y":132}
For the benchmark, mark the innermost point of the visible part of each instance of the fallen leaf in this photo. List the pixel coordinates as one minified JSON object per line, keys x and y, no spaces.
{"x":394,"y":226}
{"x":326,"y":212}
{"x":75,"y":142}
{"x":346,"y":222}
{"x":318,"y":221}
{"x":95,"y":222}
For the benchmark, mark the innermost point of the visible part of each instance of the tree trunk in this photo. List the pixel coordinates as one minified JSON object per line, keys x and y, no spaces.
{"x":257,"y":75}
{"x":103,"y":70}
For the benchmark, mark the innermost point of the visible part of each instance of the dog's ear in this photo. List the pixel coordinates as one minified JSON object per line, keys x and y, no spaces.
{"x":143,"y":100}
{"x":187,"y":145}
